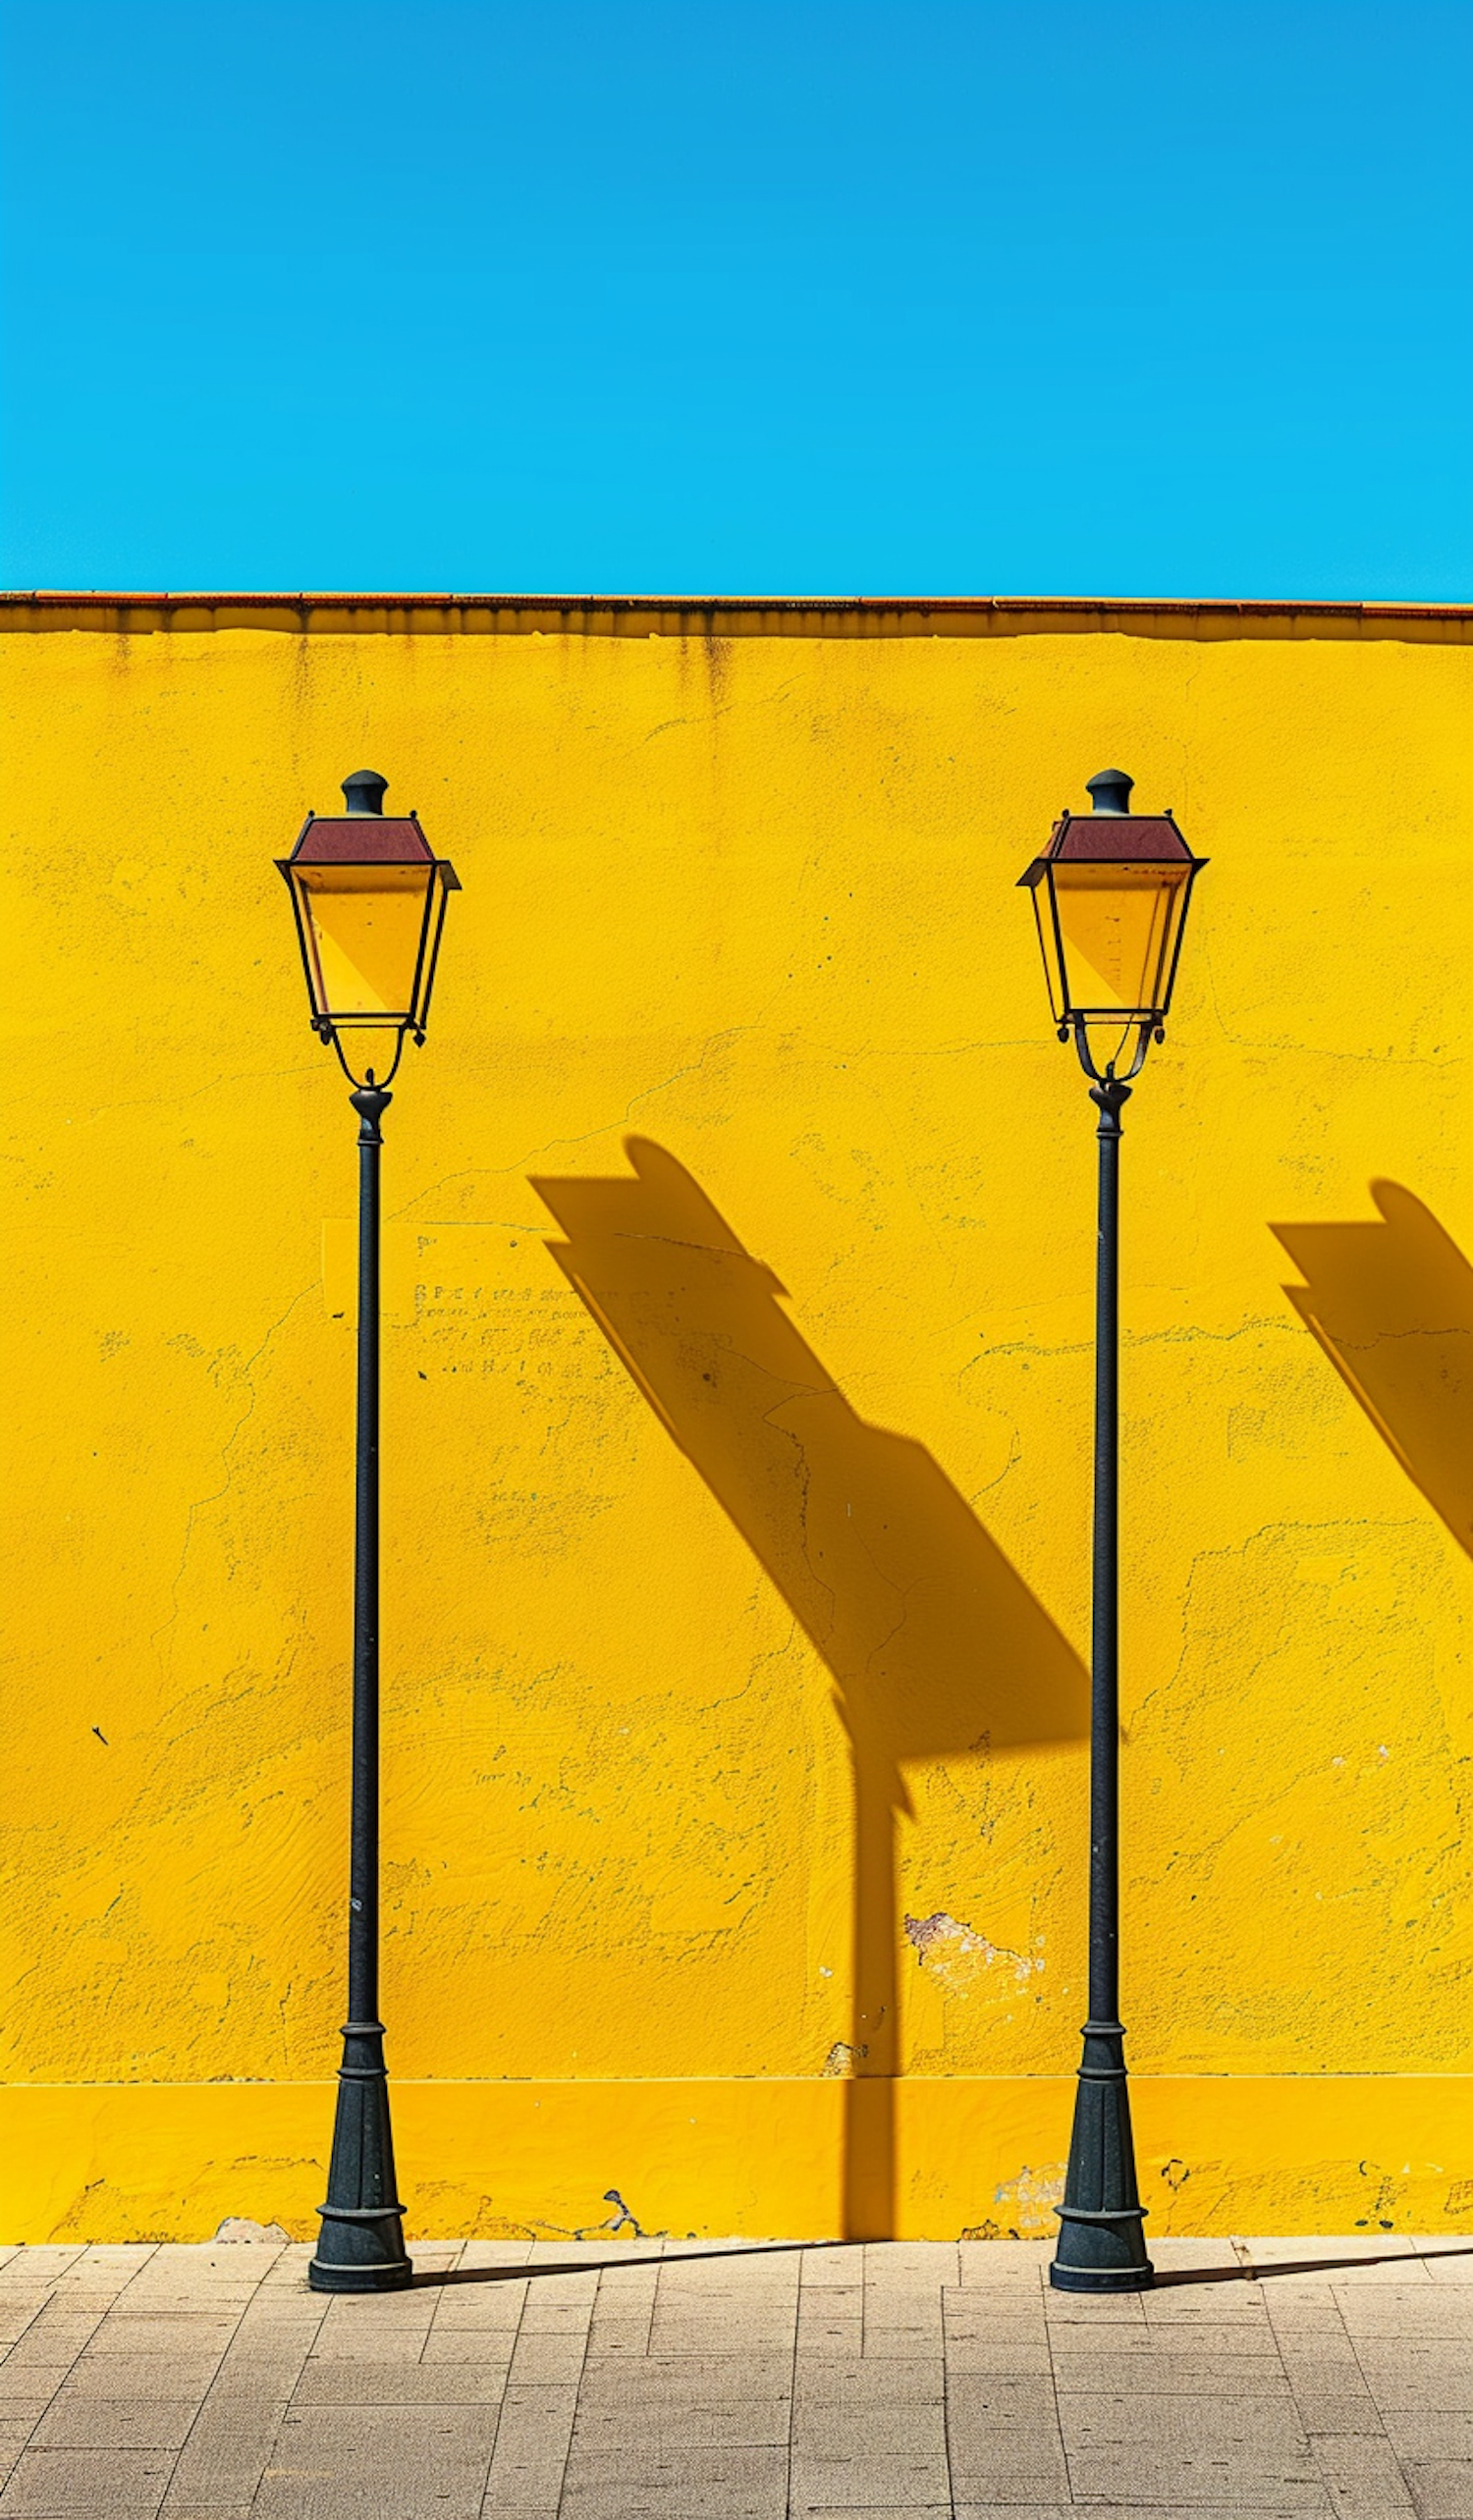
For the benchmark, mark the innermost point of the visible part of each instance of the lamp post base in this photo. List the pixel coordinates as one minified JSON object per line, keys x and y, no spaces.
{"x":1102,"y":2247}
{"x":361,"y":2246}
{"x":1068,"y":2279}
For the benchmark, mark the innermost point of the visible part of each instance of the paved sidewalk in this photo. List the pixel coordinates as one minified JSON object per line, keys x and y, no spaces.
{"x":563,"y":2381}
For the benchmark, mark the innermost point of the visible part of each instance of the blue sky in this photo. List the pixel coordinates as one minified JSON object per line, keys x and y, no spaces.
{"x":1072,"y":296}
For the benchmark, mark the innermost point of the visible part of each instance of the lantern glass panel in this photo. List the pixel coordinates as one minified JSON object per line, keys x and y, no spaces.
{"x":1118,"y":928}
{"x":365,"y":928}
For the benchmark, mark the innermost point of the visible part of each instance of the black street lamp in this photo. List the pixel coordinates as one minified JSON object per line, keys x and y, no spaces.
{"x":1110,"y":896}
{"x":369,"y":898}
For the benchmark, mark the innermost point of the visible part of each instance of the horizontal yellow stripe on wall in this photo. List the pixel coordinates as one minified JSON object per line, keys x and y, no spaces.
{"x":774,"y":2159}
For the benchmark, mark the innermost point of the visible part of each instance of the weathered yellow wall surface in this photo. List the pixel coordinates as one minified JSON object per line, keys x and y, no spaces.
{"x":738,"y":1403}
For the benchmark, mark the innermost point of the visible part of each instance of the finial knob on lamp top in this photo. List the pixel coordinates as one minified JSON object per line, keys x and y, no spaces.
{"x":1109,"y":792}
{"x":364,"y":792}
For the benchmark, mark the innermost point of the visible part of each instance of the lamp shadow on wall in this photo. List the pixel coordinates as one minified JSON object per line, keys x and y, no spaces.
{"x":937,"y":1646}
{"x":1392,"y":1305}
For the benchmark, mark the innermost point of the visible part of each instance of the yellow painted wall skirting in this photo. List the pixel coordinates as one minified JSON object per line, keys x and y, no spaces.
{"x":1288,"y":2154}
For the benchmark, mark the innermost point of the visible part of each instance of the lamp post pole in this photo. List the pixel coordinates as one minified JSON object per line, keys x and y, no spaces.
{"x":1110,"y":893}
{"x":361,"y":2246}
{"x":1101,"y":2243}
{"x":368,"y":898}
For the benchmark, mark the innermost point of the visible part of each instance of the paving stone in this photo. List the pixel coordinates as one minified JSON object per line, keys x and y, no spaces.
{"x":95,"y":2483}
{"x":1268,"y":2424}
{"x":891,"y":2512}
{"x":709,"y":2478}
{"x":188,"y":2338}
{"x":902,"y":2344}
{"x":1364,"y":2477}
{"x":892,"y":2380}
{"x":205,"y":2510}
{"x":52,"y":2338}
{"x":841,"y":2337}
{"x":1216,"y":2305}
{"x":547,"y":2358}
{"x":241,"y":2385}
{"x":378,"y":2463}
{"x":1017,"y":2495}
{"x":762,"y":2423}
{"x":1170,"y":2375}
{"x":839,"y":2265}
{"x":1448,"y":2262}
{"x":144,"y":2376}
{"x":19,"y":2416}
{"x":906,"y":2309}
{"x":1140,"y":2509}
{"x":990,"y":2400}
{"x":531,"y":2445}
{"x":1024,"y":2510}
{"x":986,"y":2306}
{"x":370,"y":2345}
{"x":1210,"y":2343}
{"x":400,"y":2384}
{"x":679,"y":2339}
{"x":494,"y":2347}
{"x":15,"y":2433}
{"x":1309,"y":2330}
{"x":879,"y":2479}
{"x":494,"y":2312}
{"x":992,"y":2262}
{"x":675,"y":2376}
{"x":983,"y":2459}
{"x":696,"y":2492}
{"x":545,"y":2316}
{"x":228,"y":2448}
{"x":921,"y":2260}
{"x":1438,"y":2310}
{"x":1357,"y":2414}
{"x":1431,"y":2434}
{"x":1094,"y":2309}
{"x":1325,"y":2361}
{"x":1441,"y":2488}
{"x":619,"y":2337}
{"x":837,"y":2431}
{"x":28,"y":2383}
{"x":1424,"y":2373}
{"x":1022,"y":2356}
{"x":1184,"y":2480}
{"x":76,"y":2422}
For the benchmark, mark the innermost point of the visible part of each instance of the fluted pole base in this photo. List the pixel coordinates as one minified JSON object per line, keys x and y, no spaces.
{"x":361,"y":2246}
{"x":1102,"y":2247}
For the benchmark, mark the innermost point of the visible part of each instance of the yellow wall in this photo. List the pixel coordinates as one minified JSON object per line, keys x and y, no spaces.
{"x":737,"y":1425}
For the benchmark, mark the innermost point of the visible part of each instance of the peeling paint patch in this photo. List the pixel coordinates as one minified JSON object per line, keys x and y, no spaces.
{"x":840,"y":2060}
{"x":1026,"y":2203}
{"x":958,"y":1955}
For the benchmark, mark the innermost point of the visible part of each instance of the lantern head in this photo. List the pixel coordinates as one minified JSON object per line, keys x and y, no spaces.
{"x":1110,"y":898}
{"x":369,"y":897}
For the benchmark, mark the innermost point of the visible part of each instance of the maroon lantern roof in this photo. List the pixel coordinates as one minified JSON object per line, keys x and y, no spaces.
{"x":1136,"y":840}
{"x":362,"y":839}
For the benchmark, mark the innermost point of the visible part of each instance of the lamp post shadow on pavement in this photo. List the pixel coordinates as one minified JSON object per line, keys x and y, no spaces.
{"x":369,"y":898}
{"x":1110,"y":894}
